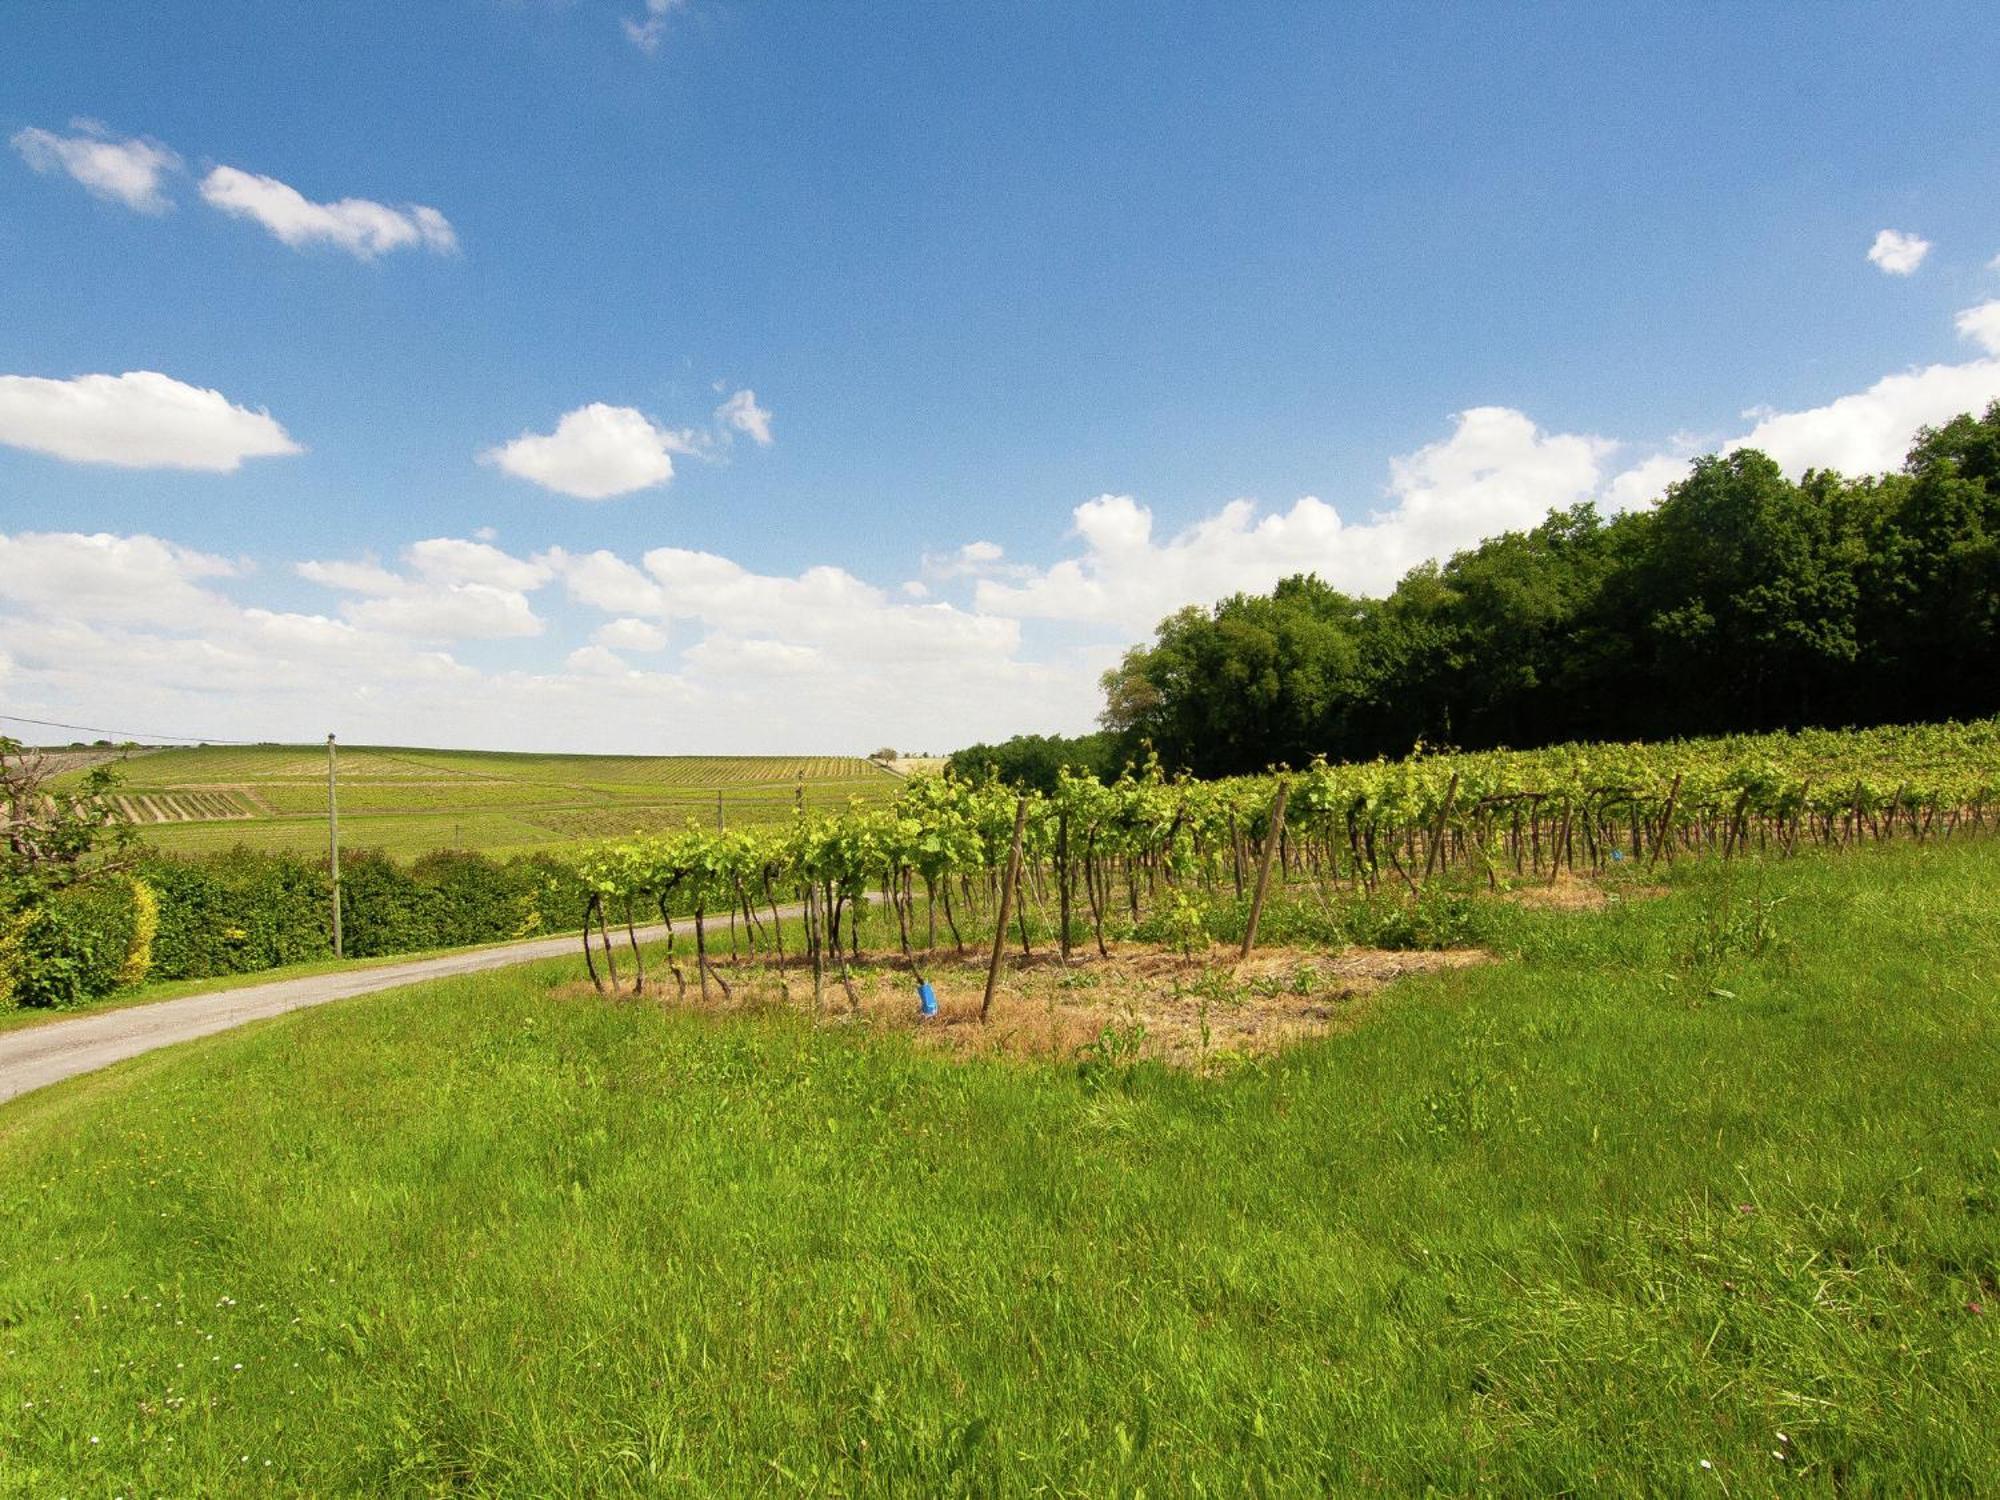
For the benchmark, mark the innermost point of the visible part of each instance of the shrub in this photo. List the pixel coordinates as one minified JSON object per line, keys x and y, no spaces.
{"x":145,"y":927}
{"x":238,"y":911}
{"x":70,"y":947}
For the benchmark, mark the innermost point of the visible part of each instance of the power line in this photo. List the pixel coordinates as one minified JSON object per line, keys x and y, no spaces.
{"x":125,"y":734}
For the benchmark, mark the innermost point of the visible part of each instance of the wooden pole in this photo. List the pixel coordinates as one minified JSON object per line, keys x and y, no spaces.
{"x":1006,"y":903}
{"x":1264,"y":873}
{"x":1666,"y":820}
{"x":1062,"y":878}
{"x":333,"y":839}
{"x":1444,"y":822}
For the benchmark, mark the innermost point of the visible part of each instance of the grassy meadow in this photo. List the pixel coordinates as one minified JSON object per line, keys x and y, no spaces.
{"x":1690,"y":1195}
{"x":411,"y":801}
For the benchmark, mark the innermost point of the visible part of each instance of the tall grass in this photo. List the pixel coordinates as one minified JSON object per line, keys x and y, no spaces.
{"x":1696,"y":1195}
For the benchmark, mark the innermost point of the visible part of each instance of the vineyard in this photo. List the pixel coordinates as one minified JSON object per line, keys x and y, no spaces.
{"x":413,"y":801}
{"x":1157,"y":854}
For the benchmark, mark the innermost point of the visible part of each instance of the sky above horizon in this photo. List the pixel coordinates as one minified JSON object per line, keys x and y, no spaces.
{"x":711,"y":376}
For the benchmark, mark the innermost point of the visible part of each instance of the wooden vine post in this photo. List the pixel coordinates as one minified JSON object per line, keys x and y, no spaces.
{"x":1006,"y":903}
{"x":1666,"y":822}
{"x":1264,"y":873}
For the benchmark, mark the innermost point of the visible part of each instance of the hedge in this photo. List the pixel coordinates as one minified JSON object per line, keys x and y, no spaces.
{"x":244,"y":910}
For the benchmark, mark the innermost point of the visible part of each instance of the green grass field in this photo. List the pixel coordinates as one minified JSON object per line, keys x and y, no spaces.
{"x":1697,"y":1195}
{"x":413,"y":801}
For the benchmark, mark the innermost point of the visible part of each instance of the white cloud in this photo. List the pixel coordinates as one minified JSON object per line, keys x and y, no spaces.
{"x":596,"y":661}
{"x":805,"y":663}
{"x":1898,"y":254}
{"x":813,"y":660}
{"x":451,"y":560}
{"x":352,"y":577}
{"x":138,"y":420}
{"x":741,"y":413}
{"x":124,"y":171}
{"x":608,"y":582}
{"x":1869,"y":431}
{"x":1643,"y":483}
{"x":1497,"y":471}
{"x":647,"y":34}
{"x":129,"y":580}
{"x":976,"y":559}
{"x":459,"y":591}
{"x":454,"y":612}
{"x":359,"y":226}
{"x":1981,"y":324}
{"x":596,"y":452}
{"x":628,"y":634}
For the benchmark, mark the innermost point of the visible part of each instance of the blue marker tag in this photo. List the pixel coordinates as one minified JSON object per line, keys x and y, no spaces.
{"x":926,"y":998}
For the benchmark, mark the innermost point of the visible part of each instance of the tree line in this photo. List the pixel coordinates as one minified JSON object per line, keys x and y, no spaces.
{"x":1742,"y":602}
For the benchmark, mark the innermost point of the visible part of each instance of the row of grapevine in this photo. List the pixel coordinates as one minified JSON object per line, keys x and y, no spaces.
{"x":1093,"y":853}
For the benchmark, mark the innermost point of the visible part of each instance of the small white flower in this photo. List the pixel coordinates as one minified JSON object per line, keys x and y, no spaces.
{"x":1706,"y":1464}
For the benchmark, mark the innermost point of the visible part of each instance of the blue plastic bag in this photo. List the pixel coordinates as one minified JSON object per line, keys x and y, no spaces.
{"x":926,"y":998}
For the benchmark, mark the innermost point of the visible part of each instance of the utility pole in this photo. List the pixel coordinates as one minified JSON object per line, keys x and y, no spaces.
{"x":718,"y":809}
{"x":333,"y":838}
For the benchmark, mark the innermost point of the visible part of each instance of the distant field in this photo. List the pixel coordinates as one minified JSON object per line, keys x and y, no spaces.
{"x":412,"y":801}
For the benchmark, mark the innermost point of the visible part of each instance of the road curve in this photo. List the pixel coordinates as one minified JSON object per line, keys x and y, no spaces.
{"x":36,"y":1056}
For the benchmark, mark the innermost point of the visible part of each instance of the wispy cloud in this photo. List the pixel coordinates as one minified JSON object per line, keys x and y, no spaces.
{"x":646,"y":34}
{"x":127,"y":170}
{"x":741,"y":413}
{"x":360,"y":226}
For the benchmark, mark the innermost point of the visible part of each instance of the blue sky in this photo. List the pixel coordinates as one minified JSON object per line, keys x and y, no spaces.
{"x":1051,"y":315}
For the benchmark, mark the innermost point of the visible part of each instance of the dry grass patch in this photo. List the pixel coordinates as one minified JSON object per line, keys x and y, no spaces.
{"x":1137,"y":1002}
{"x":1580,"y":893}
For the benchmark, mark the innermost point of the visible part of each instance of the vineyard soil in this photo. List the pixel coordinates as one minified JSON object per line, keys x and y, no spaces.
{"x":1205,"y":1012}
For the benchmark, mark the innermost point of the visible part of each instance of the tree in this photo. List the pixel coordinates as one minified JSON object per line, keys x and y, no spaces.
{"x":1744,"y":600}
{"x":55,"y":837}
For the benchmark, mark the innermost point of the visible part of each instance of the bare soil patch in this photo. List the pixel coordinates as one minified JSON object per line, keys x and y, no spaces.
{"x":1580,"y":893}
{"x":1137,"y":1002}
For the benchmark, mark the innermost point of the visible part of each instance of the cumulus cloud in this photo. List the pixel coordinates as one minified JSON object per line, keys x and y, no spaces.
{"x":453,"y":612}
{"x":127,"y":170}
{"x":1643,"y":483}
{"x":359,"y":226}
{"x":1981,"y":324}
{"x":595,"y":453}
{"x":127,"y":580}
{"x":138,"y":420}
{"x":782,"y":663}
{"x":628,"y":634}
{"x":1496,"y":471}
{"x":1869,"y":431}
{"x":456,"y":590}
{"x":820,"y":657}
{"x":741,"y":413}
{"x":452,"y":560}
{"x":1898,"y":254}
{"x":975,"y":559}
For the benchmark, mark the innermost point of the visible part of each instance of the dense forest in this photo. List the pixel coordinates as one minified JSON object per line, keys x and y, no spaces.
{"x":1742,"y":601}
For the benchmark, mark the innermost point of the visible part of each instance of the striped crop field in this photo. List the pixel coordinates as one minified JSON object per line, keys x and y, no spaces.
{"x":411,"y":801}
